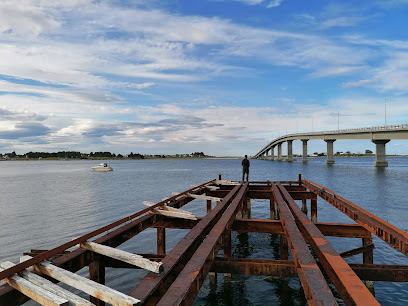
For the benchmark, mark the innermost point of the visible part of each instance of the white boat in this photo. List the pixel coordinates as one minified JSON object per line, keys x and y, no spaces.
{"x":102,"y":167}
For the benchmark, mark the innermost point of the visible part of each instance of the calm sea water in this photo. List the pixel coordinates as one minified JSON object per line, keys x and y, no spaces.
{"x":46,"y":203}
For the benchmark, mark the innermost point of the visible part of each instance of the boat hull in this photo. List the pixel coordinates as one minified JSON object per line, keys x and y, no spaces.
{"x":104,"y":169}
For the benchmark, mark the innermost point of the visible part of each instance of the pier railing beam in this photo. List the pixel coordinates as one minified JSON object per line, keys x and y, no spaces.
{"x":380,"y":156}
{"x":279,"y":151}
{"x":330,"y":154}
{"x":304,"y":150}
{"x":290,"y":151}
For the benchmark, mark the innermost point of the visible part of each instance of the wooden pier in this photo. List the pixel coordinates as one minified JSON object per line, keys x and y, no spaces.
{"x":175,"y":276}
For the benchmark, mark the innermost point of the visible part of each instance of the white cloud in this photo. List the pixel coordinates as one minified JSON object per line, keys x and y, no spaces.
{"x":357,"y":83}
{"x":332,"y":71}
{"x":342,"y":22}
{"x":275,"y":3}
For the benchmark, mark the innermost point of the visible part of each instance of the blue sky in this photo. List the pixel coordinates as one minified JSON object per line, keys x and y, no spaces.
{"x":223,"y":76}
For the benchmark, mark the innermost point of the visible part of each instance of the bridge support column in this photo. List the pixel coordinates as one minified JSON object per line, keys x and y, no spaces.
{"x":380,"y":156}
{"x":290,"y":151}
{"x":330,"y":154}
{"x":267,"y":154}
{"x":304,"y":147}
{"x":279,"y":151}
{"x":272,"y":153}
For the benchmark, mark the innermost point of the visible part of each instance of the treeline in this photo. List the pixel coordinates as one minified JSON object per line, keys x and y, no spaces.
{"x":92,"y":155}
{"x":70,"y":154}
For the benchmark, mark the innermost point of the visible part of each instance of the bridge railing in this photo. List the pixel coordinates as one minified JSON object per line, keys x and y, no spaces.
{"x":371,"y":128}
{"x":356,"y":130}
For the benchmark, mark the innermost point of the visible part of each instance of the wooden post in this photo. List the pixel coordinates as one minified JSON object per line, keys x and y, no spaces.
{"x":284,"y":248}
{"x":227,"y":248}
{"x":220,"y":177}
{"x":272,"y":209}
{"x":227,"y":243}
{"x":245,"y":209}
{"x":161,"y":240}
{"x":313,"y":210}
{"x":208,"y":206}
{"x":97,"y":274}
{"x":368,"y":256}
{"x":304,"y":206}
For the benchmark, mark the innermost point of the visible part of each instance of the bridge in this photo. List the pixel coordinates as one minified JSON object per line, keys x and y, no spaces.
{"x":379,"y":135}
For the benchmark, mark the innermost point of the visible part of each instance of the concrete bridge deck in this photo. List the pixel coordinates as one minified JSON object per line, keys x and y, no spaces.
{"x":379,"y":135}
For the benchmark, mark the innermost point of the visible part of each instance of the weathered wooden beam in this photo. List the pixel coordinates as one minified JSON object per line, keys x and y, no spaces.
{"x":187,"y":284}
{"x":395,"y":237}
{"x":204,"y":197}
{"x":273,"y":227}
{"x":312,"y":279}
{"x":350,"y":287}
{"x":169,"y":208}
{"x":303,"y":195}
{"x":248,"y":266}
{"x":35,"y":292}
{"x":383,"y":273}
{"x":153,"y":285}
{"x":86,"y":285}
{"x":357,"y":251}
{"x":173,"y":214}
{"x":225,"y":182}
{"x":45,"y":284}
{"x":130,"y":258}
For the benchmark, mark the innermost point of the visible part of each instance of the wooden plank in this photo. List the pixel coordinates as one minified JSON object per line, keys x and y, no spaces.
{"x":130,"y":258}
{"x":225,"y":182}
{"x":168,"y":208}
{"x":34,"y":292}
{"x":41,"y":282}
{"x":173,"y":214}
{"x":199,"y":196}
{"x":88,"y":286}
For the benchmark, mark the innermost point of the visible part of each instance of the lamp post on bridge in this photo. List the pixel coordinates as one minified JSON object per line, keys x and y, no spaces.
{"x":385,"y":112}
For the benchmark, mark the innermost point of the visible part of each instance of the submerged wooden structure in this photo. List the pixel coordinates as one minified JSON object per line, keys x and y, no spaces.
{"x":176,"y":275}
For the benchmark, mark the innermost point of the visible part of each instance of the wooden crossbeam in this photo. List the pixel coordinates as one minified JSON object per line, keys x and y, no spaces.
{"x":45,"y":284}
{"x":127,"y":257}
{"x":34,"y":292}
{"x":86,"y":285}
{"x":357,"y":251}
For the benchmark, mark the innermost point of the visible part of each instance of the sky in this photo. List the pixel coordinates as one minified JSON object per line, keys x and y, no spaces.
{"x":223,"y":77}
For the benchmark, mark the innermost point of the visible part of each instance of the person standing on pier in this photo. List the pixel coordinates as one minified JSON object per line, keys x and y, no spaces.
{"x":245,"y":168}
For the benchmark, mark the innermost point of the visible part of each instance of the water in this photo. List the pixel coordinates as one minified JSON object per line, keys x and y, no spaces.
{"x":46,"y":203}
